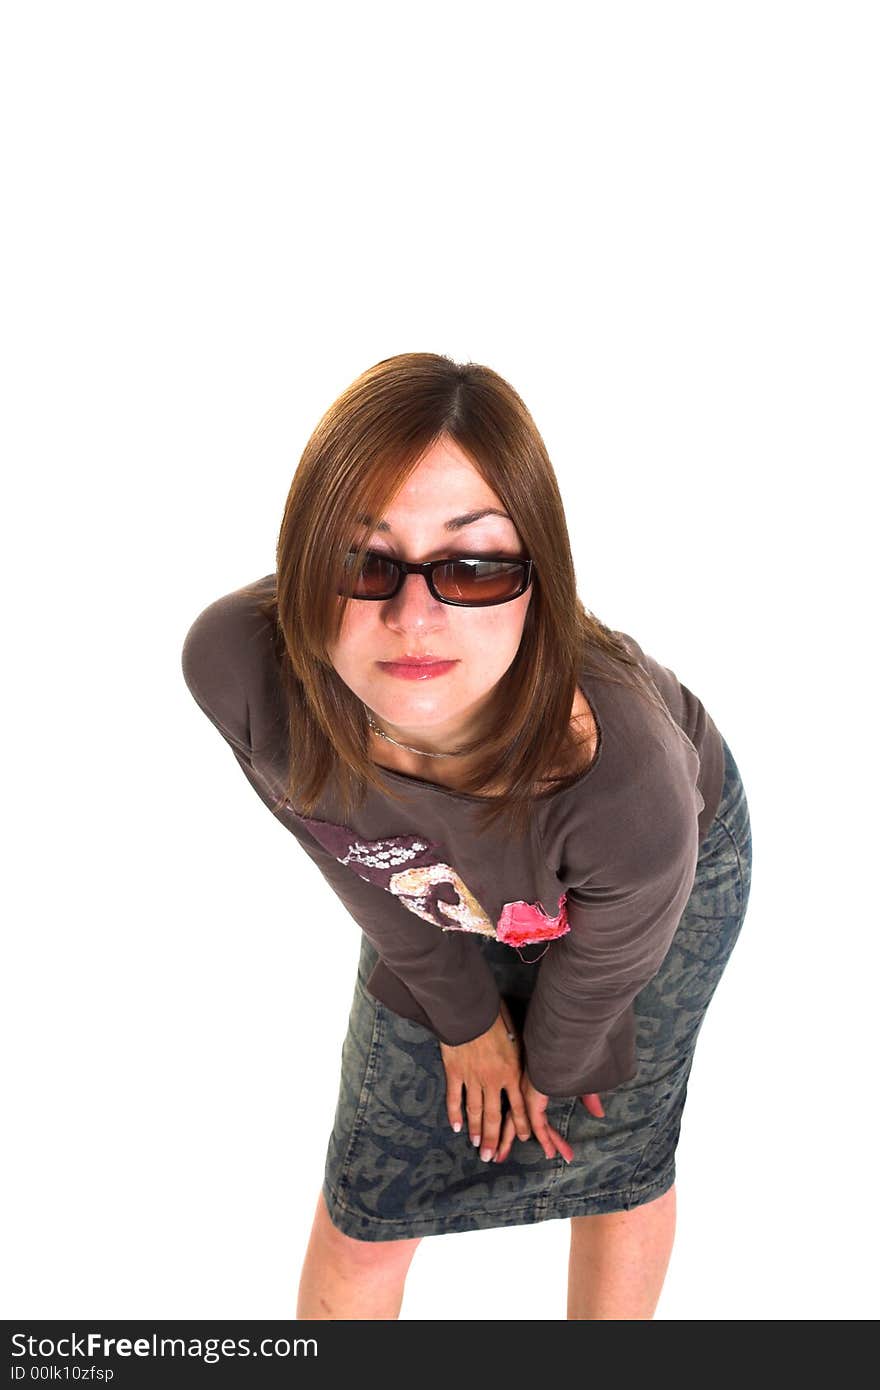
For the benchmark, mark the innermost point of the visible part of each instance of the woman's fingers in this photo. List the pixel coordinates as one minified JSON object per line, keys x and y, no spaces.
{"x":518,"y":1113}
{"x":551,"y":1142}
{"x":491,"y":1124}
{"x":453,"y":1101}
{"x":482,"y":1106}
{"x":526,"y":1117}
{"x":550,"y":1139}
{"x":474,"y":1107}
{"x":562,"y":1145}
{"x":508,"y":1134}
{"x":541,"y":1131}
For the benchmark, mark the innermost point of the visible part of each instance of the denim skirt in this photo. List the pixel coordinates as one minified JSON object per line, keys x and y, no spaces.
{"x":394,"y":1167}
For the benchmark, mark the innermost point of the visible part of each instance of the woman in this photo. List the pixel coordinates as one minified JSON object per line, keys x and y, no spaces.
{"x":540,"y":831}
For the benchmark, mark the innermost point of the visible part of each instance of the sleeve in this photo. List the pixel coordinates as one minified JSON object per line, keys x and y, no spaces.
{"x":579,"y":1033}
{"x":440,"y":979}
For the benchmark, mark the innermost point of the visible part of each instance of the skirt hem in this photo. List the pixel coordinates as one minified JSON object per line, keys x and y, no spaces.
{"x":549,"y":1208}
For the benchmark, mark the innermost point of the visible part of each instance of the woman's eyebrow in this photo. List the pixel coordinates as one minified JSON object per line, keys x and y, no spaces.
{"x":455,"y":523}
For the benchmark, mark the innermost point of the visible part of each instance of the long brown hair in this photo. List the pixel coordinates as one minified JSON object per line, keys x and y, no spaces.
{"x":359,"y":454}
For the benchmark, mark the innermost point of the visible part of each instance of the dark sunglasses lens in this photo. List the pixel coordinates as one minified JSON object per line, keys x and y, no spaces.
{"x":479,"y":581}
{"x":375,"y":578}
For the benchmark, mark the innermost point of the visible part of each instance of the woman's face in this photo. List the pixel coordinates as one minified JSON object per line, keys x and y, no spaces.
{"x":433,"y":714}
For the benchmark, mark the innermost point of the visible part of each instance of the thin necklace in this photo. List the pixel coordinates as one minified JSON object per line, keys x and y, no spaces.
{"x":382,"y":734}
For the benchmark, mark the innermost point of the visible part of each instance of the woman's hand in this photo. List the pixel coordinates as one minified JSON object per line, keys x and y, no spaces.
{"x":486,"y":1066}
{"x":550,"y":1139}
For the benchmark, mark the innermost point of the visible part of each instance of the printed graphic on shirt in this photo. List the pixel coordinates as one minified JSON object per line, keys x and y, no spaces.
{"x":415,"y":871}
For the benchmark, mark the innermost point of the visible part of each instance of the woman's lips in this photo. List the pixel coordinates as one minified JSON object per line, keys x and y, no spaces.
{"x":423,"y":671}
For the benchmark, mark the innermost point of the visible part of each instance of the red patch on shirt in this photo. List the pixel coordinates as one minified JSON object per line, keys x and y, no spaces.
{"x":522,"y":924}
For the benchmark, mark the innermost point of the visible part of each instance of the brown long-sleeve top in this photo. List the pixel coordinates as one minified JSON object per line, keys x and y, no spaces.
{"x":592,"y":892}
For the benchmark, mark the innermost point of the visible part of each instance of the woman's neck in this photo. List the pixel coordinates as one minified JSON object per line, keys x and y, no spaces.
{"x":452,"y":772}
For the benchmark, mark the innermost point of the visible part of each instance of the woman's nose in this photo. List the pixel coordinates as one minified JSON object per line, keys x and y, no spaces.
{"x":413,"y":602}
{"x":414,"y":594}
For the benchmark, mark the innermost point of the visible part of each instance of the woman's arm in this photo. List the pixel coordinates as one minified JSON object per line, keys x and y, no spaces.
{"x":579,"y":1033}
{"x":444,"y":972}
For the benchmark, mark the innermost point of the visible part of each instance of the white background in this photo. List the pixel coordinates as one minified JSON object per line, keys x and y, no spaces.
{"x":660,"y":224}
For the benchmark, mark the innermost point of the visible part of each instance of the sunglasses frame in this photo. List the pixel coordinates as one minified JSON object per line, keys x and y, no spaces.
{"x":427,"y":569}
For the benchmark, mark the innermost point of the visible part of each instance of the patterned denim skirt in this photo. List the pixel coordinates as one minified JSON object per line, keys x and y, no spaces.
{"x":394,"y":1167}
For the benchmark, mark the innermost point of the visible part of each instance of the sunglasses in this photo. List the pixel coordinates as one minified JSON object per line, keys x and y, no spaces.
{"x":465,"y":583}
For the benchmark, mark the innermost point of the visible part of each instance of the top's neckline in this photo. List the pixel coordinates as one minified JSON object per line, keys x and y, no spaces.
{"x":411,"y":780}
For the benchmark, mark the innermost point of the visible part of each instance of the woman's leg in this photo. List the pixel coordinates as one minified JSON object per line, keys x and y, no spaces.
{"x":618,"y":1261}
{"x":347,"y":1278}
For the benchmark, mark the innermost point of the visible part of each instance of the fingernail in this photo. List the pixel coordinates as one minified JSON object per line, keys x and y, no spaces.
{"x":485,"y":1155}
{"x":457,"y":1126}
{"x":475,"y":1140}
